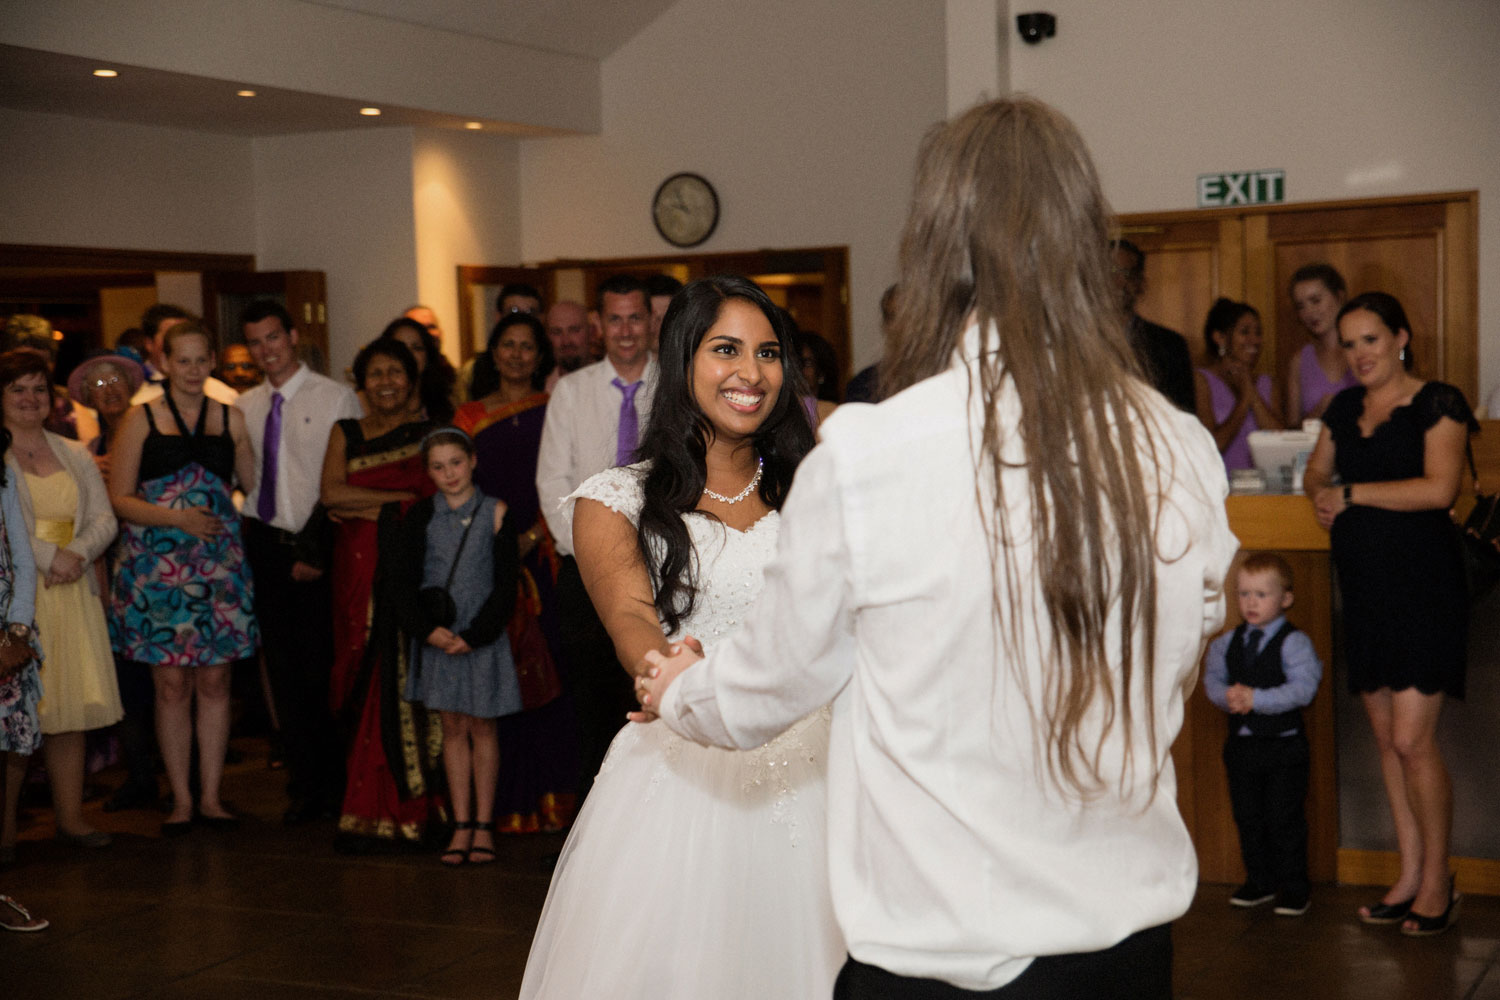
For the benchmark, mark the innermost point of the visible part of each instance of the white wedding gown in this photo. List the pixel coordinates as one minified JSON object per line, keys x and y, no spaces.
{"x":694,"y":872}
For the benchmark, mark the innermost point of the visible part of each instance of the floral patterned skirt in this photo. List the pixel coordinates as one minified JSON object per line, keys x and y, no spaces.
{"x":179,"y":600}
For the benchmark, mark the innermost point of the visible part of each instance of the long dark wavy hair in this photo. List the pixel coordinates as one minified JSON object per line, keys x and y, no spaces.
{"x":678,"y":434}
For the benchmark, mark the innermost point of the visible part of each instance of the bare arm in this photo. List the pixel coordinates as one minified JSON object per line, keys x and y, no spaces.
{"x":244,"y":454}
{"x":617,"y":581}
{"x":344,"y":500}
{"x":1203,"y":403}
{"x":1293,"y":384}
{"x":124,"y":476}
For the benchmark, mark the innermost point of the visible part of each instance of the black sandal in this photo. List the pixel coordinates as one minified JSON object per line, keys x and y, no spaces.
{"x":482,"y":855}
{"x":455,"y":856}
{"x":1421,"y":925}
{"x":1388,"y":913}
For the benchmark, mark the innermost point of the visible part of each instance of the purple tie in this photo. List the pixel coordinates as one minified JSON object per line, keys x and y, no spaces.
{"x":630,"y":423}
{"x":265,"y":504}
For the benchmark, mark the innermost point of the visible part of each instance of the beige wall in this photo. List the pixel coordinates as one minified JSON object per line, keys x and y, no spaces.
{"x":341,"y":202}
{"x":466,"y":193}
{"x":803,"y":113}
{"x":79,"y":182}
{"x":1353,"y":98}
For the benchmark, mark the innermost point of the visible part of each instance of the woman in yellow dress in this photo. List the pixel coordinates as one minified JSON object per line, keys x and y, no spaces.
{"x":69,"y":520}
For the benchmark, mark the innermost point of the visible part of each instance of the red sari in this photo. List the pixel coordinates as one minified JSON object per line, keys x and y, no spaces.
{"x":395,"y":747}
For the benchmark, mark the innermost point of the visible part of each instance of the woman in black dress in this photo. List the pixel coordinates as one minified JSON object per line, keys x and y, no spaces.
{"x":1397,"y":446}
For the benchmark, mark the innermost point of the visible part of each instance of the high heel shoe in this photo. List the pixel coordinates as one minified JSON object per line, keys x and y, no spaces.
{"x":455,"y":856}
{"x":1420,"y":925}
{"x":482,"y":855}
{"x":1387,"y":913}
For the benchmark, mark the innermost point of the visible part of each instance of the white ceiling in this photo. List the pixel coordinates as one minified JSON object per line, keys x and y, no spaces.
{"x":54,"y":83}
{"x":578,"y":27}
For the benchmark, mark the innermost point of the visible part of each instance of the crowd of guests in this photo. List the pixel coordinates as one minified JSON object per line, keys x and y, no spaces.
{"x":189,"y":508}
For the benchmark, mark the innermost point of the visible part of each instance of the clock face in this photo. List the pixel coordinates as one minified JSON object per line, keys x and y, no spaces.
{"x":685,"y":209}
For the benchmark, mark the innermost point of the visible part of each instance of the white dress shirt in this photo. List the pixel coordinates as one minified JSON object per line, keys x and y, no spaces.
{"x":952,"y":856}
{"x":214,"y":389}
{"x":579,"y":437}
{"x":312,"y":403}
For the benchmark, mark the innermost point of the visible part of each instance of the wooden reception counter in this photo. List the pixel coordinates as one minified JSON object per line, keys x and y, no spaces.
{"x":1286,"y":525}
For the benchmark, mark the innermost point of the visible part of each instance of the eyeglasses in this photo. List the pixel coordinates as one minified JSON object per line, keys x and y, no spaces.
{"x":100,"y":383}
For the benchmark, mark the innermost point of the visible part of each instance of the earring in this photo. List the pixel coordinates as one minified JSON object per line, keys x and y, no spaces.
{"x":1221,"y":350}
{"x":1403,"y":355}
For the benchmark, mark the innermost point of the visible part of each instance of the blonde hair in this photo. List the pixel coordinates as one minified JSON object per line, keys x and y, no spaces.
{"x":1009,"y":230}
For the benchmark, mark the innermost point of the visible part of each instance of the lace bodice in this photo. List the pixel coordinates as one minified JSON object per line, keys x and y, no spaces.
{"x":728,"y":564}
{"x":729,"y":571}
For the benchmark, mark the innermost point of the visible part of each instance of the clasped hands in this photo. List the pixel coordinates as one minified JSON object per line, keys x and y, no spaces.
{"x":448,"y":641}
{"x":655,"y":673}
{"x":1240,"y":698}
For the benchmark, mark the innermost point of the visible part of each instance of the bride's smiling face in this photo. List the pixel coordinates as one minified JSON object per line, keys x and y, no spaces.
{"x":737,"y":370}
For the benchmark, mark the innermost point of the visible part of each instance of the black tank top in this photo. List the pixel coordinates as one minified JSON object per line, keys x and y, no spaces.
{"x":164,"y":454}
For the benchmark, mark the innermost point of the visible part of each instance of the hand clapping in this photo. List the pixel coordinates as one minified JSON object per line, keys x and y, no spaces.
{"x":655,"y":673}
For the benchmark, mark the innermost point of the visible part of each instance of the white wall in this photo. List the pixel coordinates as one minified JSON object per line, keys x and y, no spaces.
{"x":805,"y":115}
{"x":341,"y":202}
{"x":467,"y":206}
{"x":1354,"y":98}
{"x":78,"y":182}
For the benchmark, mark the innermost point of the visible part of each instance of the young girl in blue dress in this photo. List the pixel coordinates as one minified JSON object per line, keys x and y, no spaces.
{"x":459,"y":548}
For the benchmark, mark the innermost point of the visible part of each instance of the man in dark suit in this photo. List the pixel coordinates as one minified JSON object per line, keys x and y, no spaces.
{"x":1162,"y":352}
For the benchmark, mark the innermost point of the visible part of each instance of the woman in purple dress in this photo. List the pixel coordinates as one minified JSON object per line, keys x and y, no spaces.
{"x":1231,"y":400}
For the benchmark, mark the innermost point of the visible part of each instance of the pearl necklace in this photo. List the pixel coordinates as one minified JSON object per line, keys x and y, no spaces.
{"x":742,"y":494}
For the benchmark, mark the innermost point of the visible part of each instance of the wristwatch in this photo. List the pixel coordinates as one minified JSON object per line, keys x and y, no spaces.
{"x":1348,"y":494}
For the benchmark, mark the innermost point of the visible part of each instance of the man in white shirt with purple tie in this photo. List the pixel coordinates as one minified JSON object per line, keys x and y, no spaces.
{"x":289,"y":417}
{"x":594,"y":421}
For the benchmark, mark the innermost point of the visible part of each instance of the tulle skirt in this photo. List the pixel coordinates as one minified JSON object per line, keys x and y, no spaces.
{"x":694,"y":873}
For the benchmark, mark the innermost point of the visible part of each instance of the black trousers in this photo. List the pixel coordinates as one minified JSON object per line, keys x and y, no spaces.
{"x":296,"y":629}
{"x":1138,"y":968}
{"x":1268,"y":793}
{"x":601,"y":689}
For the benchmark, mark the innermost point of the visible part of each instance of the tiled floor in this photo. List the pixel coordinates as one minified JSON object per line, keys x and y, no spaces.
{"x":269,"y":912}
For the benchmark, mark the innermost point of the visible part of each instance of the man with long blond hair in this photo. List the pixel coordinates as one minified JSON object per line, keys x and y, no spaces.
{"x":1003,"y":576}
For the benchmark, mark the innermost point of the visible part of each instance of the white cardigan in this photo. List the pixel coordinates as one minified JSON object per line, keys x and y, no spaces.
{"x":94,"y":524}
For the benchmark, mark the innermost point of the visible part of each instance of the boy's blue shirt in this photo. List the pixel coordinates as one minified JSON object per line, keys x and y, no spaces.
{"x":1299,"y":662}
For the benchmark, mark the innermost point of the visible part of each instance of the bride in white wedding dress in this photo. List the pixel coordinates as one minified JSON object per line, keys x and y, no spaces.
{"x":722,"y":854}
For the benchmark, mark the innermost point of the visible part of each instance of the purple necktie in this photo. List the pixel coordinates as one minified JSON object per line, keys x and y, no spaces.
{"x":630,"y":423}
{"x":265,"y":504}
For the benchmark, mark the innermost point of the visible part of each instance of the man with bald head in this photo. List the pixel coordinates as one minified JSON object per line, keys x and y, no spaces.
{"x":568,"y":329}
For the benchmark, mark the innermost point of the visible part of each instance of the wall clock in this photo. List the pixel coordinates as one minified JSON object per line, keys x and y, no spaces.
{"x":685,"y":209}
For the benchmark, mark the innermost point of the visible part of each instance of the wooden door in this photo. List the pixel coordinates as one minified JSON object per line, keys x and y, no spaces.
{"x":1189,"y":263}
{"x":1421,"y":251}
{"x":478,"y":295}
{"x":303,"y":293}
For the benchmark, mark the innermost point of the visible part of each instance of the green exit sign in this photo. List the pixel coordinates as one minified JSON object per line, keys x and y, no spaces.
{"x":1252,"y":187}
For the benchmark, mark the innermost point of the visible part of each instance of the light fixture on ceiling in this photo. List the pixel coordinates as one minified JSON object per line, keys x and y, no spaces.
{"x":106,"y":72}
{"x":244,"y":93}
{"x":473,"y":125}
{"x":370,"y":112}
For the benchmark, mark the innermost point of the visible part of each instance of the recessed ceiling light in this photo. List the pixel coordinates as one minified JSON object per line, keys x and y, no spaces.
{"x":244,"y":93}
{"x":372,"y":112}
{"x":474,"y":125}
{"x":106,"y":72}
